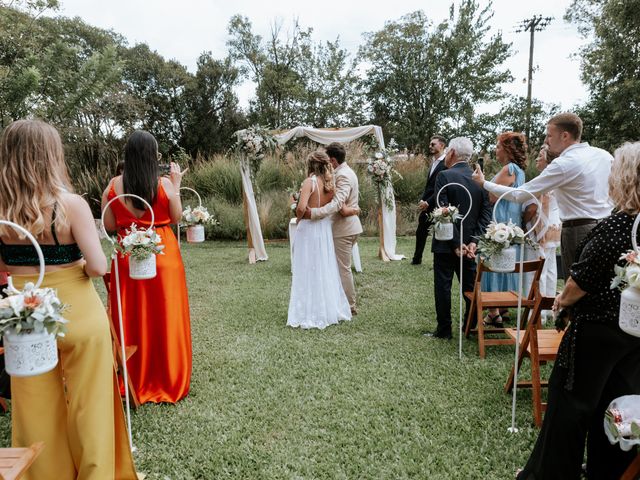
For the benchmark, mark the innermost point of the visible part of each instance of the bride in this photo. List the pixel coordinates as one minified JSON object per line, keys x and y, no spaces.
{"x":317,"y":298}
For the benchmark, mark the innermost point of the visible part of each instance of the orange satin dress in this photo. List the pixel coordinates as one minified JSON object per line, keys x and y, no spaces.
{"x":155,"y":311}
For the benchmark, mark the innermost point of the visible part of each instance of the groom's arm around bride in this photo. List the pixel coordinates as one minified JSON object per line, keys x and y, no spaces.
{"x":346,"y":229}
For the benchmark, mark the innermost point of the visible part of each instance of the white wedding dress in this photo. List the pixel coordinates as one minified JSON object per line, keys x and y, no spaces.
{"x":317,"y":297}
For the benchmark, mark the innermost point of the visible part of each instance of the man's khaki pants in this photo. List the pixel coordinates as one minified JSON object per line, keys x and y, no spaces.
{"x":343,"y":247}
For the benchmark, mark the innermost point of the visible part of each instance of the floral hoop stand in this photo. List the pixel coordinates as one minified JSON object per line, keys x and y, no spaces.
{"x":195,"y":233}
{"x":460,"y":310}
{"x":629,"y":316}
{"x":119,"y":298}
{"x":44,"y":349}
{"x":513,"y":428}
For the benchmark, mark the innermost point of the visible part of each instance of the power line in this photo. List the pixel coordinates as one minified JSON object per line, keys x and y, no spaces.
{"x":537,"y":23}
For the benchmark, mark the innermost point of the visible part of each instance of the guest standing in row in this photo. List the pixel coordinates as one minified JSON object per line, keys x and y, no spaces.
{"x":578,"y":177}
{"x":597,"y":362}
{"x":511,"y":153}
{"x":428,"y":202}
{"x":155,"y":311}
{"x":75,"y":409}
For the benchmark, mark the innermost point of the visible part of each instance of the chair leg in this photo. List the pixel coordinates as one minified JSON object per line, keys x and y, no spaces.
{"x":481,"y":346}
{"x":472,"y":312}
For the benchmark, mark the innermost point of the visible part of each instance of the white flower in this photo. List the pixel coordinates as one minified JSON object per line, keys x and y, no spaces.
{"x":501,"y":236}
{"x":379,"y":155}
{"x":632,"y":275}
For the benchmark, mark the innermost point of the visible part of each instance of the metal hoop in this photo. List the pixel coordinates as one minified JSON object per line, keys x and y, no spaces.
{"x":459,"y":185}
{"x":531,"y":195}
{"x":118,"y":197}
{"x":192,"y":190}
{"x":38,"y":251}
{"x":634,"y":233}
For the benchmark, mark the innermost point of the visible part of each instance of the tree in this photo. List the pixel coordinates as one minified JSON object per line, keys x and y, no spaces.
{"x":212,"y":106}
{"x":425,"y":80}
{"x":513,"y":116}
{"x":610,"y":69}
{"x":297,"y":81}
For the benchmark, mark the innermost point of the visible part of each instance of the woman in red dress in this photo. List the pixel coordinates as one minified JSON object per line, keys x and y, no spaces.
{"x":155,"y":311}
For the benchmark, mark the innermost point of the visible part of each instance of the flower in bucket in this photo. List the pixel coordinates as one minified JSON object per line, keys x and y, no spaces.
{"x":500,"y":236}
{"x":442,"y":215}
{"x":140,"y":243}
{"x":629,"y":275}
{"x":32,"y":310}
{"x":198,"y":216}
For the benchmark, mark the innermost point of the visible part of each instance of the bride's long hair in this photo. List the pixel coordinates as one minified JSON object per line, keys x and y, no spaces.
{"x":319,"y":164}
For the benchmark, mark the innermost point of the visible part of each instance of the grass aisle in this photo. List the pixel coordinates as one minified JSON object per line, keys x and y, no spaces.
{"x":369,"y":399}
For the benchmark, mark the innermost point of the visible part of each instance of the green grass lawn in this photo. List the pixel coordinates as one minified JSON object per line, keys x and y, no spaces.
{"x":367,"y":399}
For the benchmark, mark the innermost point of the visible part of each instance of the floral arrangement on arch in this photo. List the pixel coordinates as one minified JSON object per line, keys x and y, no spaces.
{"x":32,"y":310}
{"x":381,"y":171}
{"x":198,"y":216}
{"x":140,"y":243}
{"x":500,"y":236}
{"x":629,"y":275}
{"x":442,"y":215}
{"x":253,"y":143}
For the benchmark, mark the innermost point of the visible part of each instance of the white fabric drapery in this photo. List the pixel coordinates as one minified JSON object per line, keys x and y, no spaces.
{"x":389,"y":224}
{"x":325,"y":136}
{"x":254,"y":221}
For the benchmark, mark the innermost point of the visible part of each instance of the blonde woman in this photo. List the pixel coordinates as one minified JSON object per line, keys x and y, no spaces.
{"x":597,"y":362}
{"x":77,"y":414}
{"x":317,"y":297}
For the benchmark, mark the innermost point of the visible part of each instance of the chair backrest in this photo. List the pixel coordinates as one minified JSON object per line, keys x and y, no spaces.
{"x":529,"y":266}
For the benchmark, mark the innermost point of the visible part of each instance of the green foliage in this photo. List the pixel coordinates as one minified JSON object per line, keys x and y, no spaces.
{"x":219,"y":177}
{"x":610,"y":69}
{"x":427,"y":79}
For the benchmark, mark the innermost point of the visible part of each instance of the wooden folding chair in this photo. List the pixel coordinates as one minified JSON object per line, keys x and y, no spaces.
{"x":3,"y":402}
{"x":15,"y":461}
{"x":483,"y":300}
{"x":633,"y":471}
{"x":541,"y":346}
{"x":117,"y":347}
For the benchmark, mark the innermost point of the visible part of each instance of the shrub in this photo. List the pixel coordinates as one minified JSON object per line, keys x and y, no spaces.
{"x":219,"y":176}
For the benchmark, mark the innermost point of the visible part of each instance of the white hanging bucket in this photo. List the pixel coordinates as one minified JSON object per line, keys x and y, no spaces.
{"x":195,"y":234}
{"x":443,"y":231}
{"x":142,"y":269}
{"x":629,"y":316}
{"x":503,"y":262}
{"x":29,"y":353}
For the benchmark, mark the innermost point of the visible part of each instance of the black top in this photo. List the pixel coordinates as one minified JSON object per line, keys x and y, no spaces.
{"x":26,"y":255}
{"x":480,"y":215}
{"x":597,"y":255}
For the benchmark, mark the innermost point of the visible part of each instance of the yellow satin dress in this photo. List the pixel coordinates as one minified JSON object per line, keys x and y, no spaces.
{"x":75,"y":409}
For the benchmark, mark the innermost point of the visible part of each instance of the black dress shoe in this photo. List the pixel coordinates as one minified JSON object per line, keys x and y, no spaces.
{"x":416,"y":262}
{"x":436,"y":334}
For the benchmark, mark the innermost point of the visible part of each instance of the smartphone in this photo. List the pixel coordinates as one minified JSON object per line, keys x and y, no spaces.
{"x":164,"y":169}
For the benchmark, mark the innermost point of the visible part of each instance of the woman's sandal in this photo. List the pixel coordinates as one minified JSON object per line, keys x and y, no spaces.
{"x":493,"y":321}
{"x":505,"y":316}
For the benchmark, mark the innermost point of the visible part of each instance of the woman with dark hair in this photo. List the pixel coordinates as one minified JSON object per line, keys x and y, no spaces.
{"x":317,"y":297}
{"x":511,"y":152}
{"x":155,"y":311}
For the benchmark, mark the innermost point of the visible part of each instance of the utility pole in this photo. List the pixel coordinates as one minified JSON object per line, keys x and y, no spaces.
{"x":537,"y":23}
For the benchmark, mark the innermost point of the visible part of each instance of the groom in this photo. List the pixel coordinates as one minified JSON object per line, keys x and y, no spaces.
{"x":345,"y":229}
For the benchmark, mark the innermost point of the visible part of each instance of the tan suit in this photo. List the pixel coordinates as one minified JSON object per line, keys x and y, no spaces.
{"x":345,"y":229}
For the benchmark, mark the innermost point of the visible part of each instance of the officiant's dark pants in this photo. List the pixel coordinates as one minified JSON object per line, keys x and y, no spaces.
{"x":445,"y":265}
{"x":607,"y":366}
{"x":422,"y":233}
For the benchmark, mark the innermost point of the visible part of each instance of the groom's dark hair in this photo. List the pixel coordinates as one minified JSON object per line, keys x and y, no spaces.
{"x":336,"y":150}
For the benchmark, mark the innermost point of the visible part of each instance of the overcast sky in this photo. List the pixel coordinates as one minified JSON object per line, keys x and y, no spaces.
{"x":182,"y":29}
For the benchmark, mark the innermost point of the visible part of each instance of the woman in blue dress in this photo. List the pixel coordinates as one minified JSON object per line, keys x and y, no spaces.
{"x":511,"y":152}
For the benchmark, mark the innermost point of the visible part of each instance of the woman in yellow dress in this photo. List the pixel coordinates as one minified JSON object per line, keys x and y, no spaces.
{"x":75,"y":409}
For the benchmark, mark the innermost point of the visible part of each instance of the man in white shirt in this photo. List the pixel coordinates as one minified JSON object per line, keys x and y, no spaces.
{"x":579,"y":178}
{"x":427,"y":203}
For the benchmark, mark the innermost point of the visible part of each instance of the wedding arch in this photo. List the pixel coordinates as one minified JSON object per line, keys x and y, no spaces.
{"x":324,"y":136}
